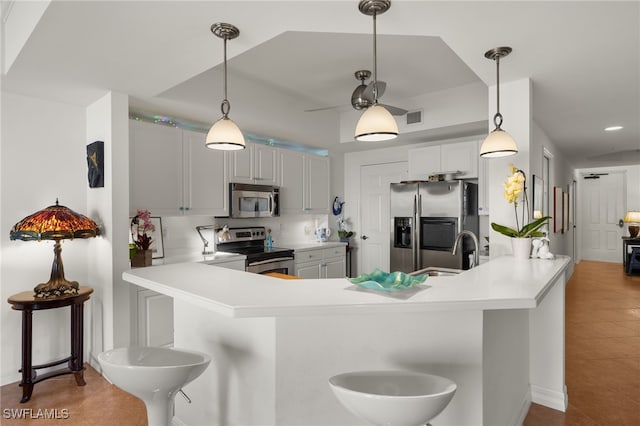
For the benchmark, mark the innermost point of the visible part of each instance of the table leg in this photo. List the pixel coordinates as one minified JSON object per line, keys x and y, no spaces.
{"x":27,"y":378}
{"x":76,"y":363}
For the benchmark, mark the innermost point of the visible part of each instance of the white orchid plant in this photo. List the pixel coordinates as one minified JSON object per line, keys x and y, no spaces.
{"x":515,"y":189}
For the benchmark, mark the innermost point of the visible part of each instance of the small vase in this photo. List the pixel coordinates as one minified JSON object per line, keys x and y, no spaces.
{"x":142,"y":258}
{"x":521,"y":247}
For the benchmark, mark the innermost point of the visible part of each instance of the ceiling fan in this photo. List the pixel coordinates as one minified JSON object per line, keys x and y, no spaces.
{"x":362,"y":97}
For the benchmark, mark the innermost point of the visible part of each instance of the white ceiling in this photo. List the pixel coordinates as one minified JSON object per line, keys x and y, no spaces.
{"x":583,"y":59}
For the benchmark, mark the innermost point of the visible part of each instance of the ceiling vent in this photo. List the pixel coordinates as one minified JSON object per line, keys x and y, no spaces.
{"x":414,"y":117}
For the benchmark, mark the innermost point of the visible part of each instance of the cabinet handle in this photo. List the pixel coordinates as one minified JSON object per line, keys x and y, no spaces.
{"x":364,"y":237}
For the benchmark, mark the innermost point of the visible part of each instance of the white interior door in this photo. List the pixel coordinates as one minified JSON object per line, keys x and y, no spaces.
{"x":374,"y":213}
{"x":602,"y":209}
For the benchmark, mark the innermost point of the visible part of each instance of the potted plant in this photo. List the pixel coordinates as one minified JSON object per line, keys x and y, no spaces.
{"x":515,"y":189}
{"x":141,"y":254}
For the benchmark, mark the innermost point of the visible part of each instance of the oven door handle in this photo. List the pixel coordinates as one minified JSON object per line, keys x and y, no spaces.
{"x":263,"y":262}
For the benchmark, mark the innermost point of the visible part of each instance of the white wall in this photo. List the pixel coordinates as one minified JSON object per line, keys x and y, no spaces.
{"x":43,"y":157}
{"x":108,"y":121}
{"x":561,"y":175}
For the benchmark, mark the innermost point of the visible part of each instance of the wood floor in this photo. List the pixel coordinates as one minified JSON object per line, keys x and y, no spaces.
{"x":602,"y":367}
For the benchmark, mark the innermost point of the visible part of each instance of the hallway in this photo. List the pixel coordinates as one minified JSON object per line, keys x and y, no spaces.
{"x":602,"y":349}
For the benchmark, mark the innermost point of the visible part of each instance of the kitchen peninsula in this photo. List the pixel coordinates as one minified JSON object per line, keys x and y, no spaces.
{"x":496,"y":330}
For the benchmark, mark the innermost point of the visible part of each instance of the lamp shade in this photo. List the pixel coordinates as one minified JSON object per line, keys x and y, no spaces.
{"x":632,"y":217}
{"x":376,"y":124}
{"x":498,"y":144}
{"x":55,"y":223}
{"x":225,"y":135}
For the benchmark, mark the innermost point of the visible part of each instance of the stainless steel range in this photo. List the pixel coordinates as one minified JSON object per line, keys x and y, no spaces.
{"x":260,"y":259}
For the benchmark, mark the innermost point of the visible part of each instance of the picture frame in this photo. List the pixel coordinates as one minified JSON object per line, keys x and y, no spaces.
{"x":565,"y":212}
{"x":537,"y":199}
{"x":557,"y":210}
{"x":157,"y":242}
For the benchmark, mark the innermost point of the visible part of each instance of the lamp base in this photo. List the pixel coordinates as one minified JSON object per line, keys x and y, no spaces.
{"x":56,"y":288}
{"x":634,"y":231}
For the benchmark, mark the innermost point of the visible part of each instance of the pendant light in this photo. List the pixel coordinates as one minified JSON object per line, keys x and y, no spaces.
{"x":376,"y":124}
{"x":498,"y":143}
{"x":225,"y":134}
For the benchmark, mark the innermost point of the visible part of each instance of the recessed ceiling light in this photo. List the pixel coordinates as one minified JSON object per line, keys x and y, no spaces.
{"x":612,"y":128}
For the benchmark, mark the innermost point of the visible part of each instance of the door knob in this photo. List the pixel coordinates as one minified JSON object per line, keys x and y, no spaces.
{"x":364,"y":237}
{"x":620,"y":223}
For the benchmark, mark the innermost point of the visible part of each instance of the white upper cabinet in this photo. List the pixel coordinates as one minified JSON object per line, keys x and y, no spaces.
{"x":318,"y":191}
{"x":424,"y":162}
{"x":304,"y":180}
{"x":459,"y":156}
{"x":156,"y":168}
{"x":206,"y":189}
{"x":172,"y":172}
{"x":292,"y":181}
{"x":257,"y":164}
{"x":483,"y":183}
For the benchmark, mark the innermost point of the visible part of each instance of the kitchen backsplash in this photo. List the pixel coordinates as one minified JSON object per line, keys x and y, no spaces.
{"x":180,"y":236}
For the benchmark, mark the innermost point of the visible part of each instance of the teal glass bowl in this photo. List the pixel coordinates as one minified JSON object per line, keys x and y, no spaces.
{"x":387,"y":281}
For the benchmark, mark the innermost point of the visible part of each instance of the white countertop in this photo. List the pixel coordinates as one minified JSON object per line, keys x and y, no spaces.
{"x":192,"y":256}
{"x":312,"y":245}
{"x":503,"y":283}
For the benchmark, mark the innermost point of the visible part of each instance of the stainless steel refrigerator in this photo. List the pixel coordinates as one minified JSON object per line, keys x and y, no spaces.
{"x":426,"y":217}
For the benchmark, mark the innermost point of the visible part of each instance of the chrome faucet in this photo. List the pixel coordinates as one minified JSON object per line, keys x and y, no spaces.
{"x":476,"y":253}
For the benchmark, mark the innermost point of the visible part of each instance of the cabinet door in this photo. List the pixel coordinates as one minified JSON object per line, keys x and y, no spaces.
{"x":318,"y":195}
{"x":241,"y":165}
{"x":206,"y":189}
{"x":155,"y":319}
{"x":265,"y":165}
{"x":335,"y":267}
{"x":156,"y":168}
{"x":424,"y":162}
{"x":292,"y":181}
{"x":461,"y":156}
{"x":308,"y":270}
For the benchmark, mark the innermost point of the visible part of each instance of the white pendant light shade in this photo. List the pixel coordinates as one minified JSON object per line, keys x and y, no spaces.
{"x":376,"y":124}
{"x":498,"y":144}
{"x":225,"y":135}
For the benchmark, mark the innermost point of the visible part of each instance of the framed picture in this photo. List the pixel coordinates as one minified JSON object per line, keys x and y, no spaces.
{"x":157,"y":244}
{"x":537,"y":209}
{"x":557,"y":209}
{"x":565,"y":211}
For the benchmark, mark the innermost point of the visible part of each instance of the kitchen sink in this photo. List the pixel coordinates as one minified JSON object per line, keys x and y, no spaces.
{"x":436,"y":271}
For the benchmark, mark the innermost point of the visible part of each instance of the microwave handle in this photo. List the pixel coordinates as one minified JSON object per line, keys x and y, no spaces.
{"x":271,"y":205}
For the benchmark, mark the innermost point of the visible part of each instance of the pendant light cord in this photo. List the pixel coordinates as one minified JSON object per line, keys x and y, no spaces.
{"x":375,"y":62}
{"x":497,"y":119}
{"x":226,"y":106}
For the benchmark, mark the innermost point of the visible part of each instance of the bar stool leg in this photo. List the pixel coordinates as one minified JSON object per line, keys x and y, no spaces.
{"x":27,"y":371}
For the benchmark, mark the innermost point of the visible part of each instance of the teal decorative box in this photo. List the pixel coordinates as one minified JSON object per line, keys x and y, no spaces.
{"x":387,"y":281}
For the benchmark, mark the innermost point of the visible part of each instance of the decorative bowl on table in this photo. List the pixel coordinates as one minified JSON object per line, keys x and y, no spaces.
{"x":387,"y":281}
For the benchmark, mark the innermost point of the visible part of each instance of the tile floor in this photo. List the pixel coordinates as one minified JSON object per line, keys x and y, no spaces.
{"x":602,"y":369}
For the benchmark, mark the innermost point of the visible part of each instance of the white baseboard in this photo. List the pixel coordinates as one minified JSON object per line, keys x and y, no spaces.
{"x":550,"y":398}
{"x":524,"y":409}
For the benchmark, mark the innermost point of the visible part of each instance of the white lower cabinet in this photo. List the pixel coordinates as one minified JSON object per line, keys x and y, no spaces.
{"x":321,"y":263}
{"x":155,"y":312}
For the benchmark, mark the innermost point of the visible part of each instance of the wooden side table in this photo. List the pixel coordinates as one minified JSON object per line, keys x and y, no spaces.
{"x":626,"y":242}
{"x":27,"y":303}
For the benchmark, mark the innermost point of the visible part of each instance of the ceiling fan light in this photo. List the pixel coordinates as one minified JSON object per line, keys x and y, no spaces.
{"x":225,"y":135}
{"x":498,"y":144}
{"x":376,"y":124}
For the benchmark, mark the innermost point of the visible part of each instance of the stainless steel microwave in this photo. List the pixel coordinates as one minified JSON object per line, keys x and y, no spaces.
{"x":247,"y":200}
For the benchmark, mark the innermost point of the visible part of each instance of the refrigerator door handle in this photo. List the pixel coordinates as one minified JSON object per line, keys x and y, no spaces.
{"x":418,"y":236}
{"x":414,"y":242}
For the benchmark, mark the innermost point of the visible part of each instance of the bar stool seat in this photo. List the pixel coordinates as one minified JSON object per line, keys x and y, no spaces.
{"x":634,"y":260}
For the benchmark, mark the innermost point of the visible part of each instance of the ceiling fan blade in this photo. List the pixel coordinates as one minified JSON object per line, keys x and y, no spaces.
{"x":321,"y":109}
{"x":395,"y":110}
{"x":368,"y":92}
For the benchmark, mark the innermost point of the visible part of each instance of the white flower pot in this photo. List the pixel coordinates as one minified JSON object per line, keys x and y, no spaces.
{"x":521,"y":247}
